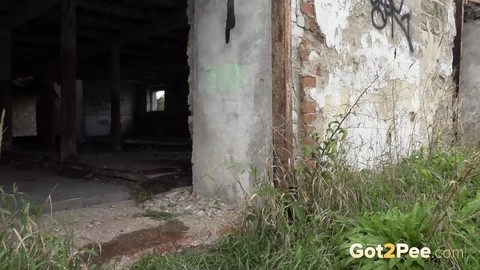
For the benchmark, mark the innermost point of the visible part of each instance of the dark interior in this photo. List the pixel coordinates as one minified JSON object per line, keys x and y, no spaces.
{"x":152,"y":37}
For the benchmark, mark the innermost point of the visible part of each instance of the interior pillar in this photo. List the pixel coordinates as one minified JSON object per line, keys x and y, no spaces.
{"x":6,"y":88}
{"x":116,"y":125}
{"x":68,"y":66}
{"x":50,"y":120}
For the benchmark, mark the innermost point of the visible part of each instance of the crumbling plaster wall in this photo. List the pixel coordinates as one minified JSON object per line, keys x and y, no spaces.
{"x":403,"y":83}
{"x":230,"y":96}
{"x":96,"y":107}
{"x":470,"y":84}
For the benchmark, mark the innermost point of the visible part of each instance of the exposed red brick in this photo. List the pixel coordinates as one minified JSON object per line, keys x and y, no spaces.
{"x":309,"y":107}
{"x":319,"y":71}
{"x":309,"y":81}
{"x":308,"y":9}
{"x":312,"y":25}
{"x":305,"y":43}
{"x":308,"y":141}
{"x":308,"y":118}
{"x":303,"y":56}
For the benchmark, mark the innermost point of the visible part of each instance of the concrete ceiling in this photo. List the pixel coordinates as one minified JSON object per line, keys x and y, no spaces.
{"x":153,"y":30}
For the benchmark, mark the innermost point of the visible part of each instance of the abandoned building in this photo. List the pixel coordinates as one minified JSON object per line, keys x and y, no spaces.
{"x":234,"y":84}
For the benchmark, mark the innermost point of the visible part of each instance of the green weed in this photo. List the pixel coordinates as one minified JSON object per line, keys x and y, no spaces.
{"x":430,"y":198}
{"x":26,"y":244}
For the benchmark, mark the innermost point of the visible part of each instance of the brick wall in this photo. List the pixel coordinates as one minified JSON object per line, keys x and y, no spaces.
{"x":340,"y":52}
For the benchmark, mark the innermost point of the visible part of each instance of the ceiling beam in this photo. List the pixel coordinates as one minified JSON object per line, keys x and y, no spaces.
{"x":37,"y":40}
{"x":23,"y":13}
{"x":136,"y":34}
{"x":6,"y":4}
{"x":99,"y":22}
{"x":89,"y":20}
{"x":113,"y":9}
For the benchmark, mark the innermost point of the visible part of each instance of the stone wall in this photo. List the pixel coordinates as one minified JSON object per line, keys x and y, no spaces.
{"x":393,"y":69}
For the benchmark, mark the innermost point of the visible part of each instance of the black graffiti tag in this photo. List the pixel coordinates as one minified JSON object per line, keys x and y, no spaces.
{"x":383,"y":10}
{"x":230,"y":19}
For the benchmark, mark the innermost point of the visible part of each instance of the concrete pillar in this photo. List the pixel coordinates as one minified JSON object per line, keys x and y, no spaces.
{"x":6,"y":88}
{"x":68,"y":62}
{"x":116,"y":125}
{"x":48,"y":109}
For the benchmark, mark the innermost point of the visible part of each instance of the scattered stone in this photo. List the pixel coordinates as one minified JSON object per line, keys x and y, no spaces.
{"x":212,"y":211}
{"x":203,"y":217}
{"x":172,"y":195}
{"x":195,"y":244}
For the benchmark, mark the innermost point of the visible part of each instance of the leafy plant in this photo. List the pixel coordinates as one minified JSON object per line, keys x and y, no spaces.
{"x":394,"y":226}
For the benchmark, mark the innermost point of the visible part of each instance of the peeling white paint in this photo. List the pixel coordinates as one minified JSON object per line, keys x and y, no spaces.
{"x":313,"y":56}
{"x":400,"y":82}
{"x":382,"y":55}
{"x":332,"y":18}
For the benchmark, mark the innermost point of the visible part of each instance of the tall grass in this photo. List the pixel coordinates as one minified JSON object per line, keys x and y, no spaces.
{"x":431,"y":198}
{"x":27,"y":244}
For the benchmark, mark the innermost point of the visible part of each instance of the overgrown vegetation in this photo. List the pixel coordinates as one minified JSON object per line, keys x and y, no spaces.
{"x":27,"y":244}
{"x":141,"y":195}
{"x":429,"y":199}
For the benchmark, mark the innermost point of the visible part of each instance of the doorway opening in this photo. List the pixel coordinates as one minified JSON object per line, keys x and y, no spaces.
{"x":152,"y":40}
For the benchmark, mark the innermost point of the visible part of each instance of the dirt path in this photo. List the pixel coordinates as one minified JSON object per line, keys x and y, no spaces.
{"x":170,"y":222}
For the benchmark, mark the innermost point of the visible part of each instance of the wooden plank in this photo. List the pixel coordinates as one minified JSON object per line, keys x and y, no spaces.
{"x":457,"y":58}
{"x":282,"y":91}
{"x":115,"y":121}
{"x":473,"y":1}
{"x":6,"y":87}
{"x":23,"y":13}
{"x":68,"y":66}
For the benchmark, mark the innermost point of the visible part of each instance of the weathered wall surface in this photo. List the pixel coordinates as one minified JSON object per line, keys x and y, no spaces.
{"x":230,"y":96}
{"x":345,"y":52}
{"x":96,"y":106}
{"x":24,"y":116}
{"x":470,"y":85}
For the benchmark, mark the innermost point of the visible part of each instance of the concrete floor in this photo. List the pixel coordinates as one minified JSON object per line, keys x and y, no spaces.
{"x":65,"y":192}
{"x":97,"y":176}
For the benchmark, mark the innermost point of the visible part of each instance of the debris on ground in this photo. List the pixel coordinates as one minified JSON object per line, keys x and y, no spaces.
{"x":123,"y":232}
